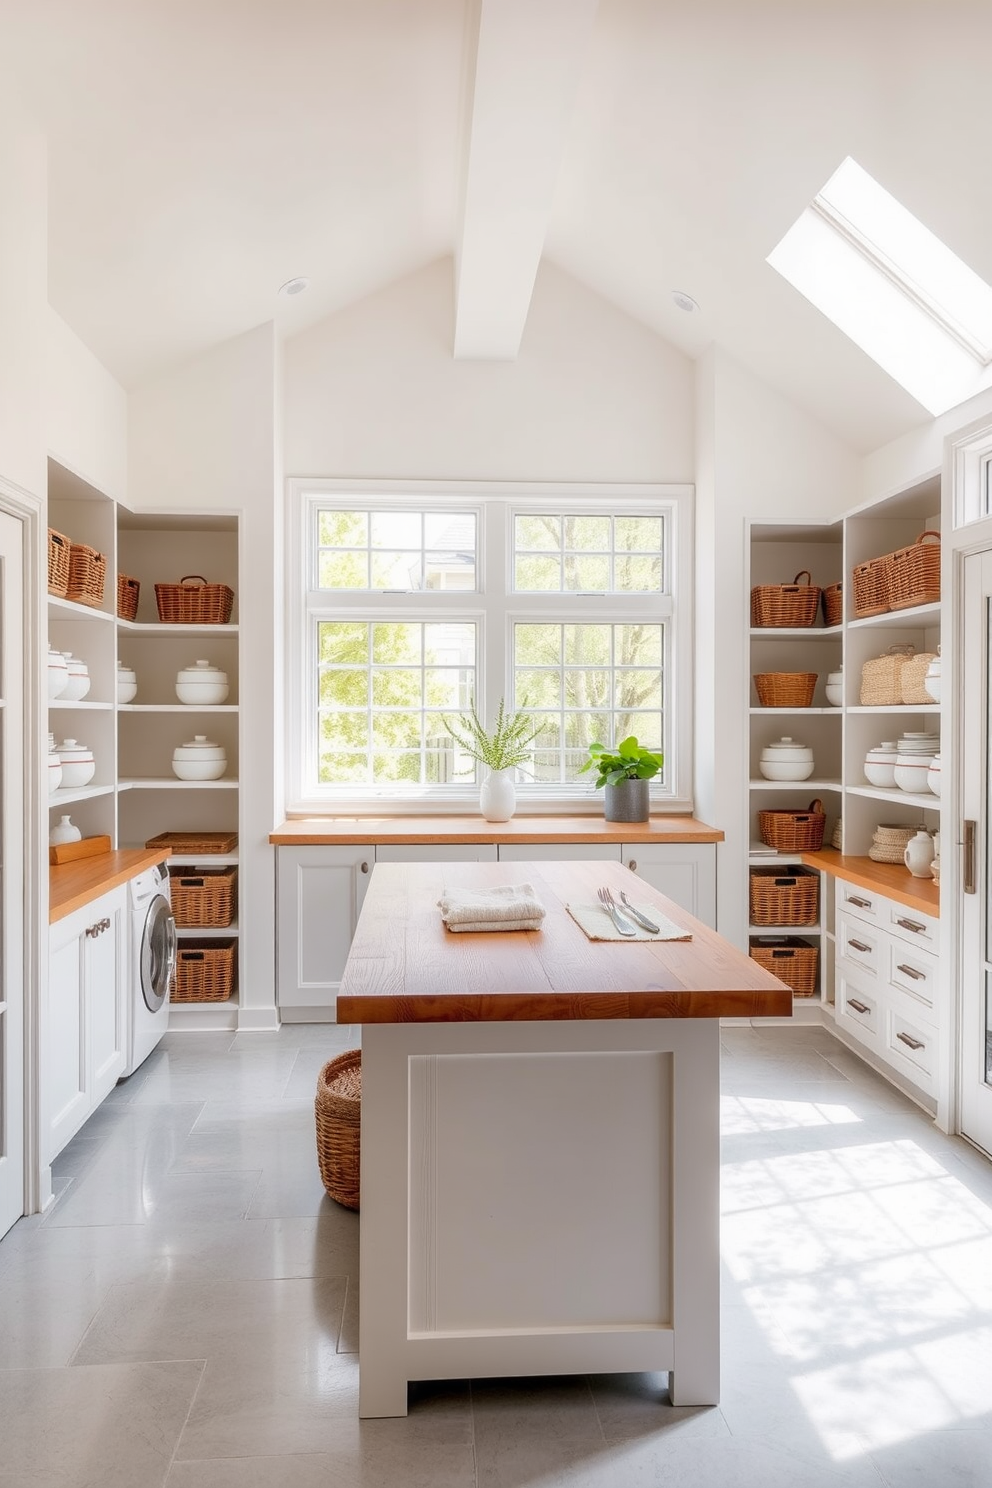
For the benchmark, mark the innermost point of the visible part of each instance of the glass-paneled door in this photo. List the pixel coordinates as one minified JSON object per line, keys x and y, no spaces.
{"x":976,"y":838}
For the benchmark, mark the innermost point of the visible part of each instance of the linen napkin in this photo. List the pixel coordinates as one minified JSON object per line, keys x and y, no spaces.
{"x":597,"y":924}
{"x":509,"y":907}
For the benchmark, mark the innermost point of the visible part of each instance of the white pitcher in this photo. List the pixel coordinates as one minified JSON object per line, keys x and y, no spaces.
{"x":919,"y":854}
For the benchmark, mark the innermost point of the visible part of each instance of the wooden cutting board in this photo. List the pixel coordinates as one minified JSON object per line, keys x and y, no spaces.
{"x":87,"y":847}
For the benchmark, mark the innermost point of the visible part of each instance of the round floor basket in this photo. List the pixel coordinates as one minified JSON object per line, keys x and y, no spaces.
{"x":338,"y":1112}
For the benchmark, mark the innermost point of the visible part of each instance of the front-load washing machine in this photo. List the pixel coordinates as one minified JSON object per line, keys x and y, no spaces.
{"x":152,"y":961}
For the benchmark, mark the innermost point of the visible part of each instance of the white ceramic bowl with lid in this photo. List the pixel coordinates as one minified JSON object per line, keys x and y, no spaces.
{"x":202,"y":685}
{"x":880,"y":765}
{"x":933,"y":775}
{"x":77,"y":678}
{"x":835,"y":688}
{"x":786,"y":759}
{"x":127,"y":683}
{"x":911,"y":771}
{"x":78,"y":764}
{"x":58,"y":673}
{"x":199,"y":759}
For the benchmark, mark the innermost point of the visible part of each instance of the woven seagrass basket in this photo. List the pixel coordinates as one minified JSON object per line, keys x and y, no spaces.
{"x":780,"y":897}
{"x":58,"y":563}
{"x":793,"y":831}
{"x":833,"y":604}
{"x":792,"y":604}
{"x":871,"y":590}
{"x":127,"y":596}
{"x":87,"y":575}
{"x":194,"y":602}
{"x":204,"y":971}
{"x":881,"y":678}
{"x":913,"y":677}
{"x":207,"y":899}
{"x":338,"y":1116}
{"x":785,"y":689}
{"x":913,"y":574}
{"x":792,"y":960}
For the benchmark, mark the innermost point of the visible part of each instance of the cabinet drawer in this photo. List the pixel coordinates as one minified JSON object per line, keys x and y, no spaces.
{"x":912,"y":1048}
{"x":860,"y":944}
{"x":914,"y":971}
{"x":910,"y":925}
{"x":861,"y":902}
{"x":859,"y":1012}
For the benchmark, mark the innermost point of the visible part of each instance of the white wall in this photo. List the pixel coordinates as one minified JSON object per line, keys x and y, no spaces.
{"x":204,"y":437}
{"x":23,"y":306}
{"x":375,"y":392}
{"x":920,"y":453}
{"x":758,"y":457}
{"x":86,"y":411}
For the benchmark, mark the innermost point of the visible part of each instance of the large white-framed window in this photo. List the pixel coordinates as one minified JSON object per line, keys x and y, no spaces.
{"x":406,"y":601}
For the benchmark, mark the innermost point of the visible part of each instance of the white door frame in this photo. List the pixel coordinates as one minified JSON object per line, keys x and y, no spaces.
{"x":29,"y":511}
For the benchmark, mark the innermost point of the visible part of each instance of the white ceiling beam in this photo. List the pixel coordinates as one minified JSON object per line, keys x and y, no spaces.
{"x":525,"y":70}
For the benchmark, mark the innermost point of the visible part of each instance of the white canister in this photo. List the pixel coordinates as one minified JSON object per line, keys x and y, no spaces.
{"x":880,"y":765}
{"x":127,"y":683}
{"x":835,"y":688}
{"x":54,"y":768}
{"x":202,"y":685}
{"x":78,"y":682}
{"x":64,"y":832}
{"x":78,"y":764}
{"x":199,"y":759}
{"x":58,"y":673}
{"x":919,"y":854}
{"x":786,"y":759}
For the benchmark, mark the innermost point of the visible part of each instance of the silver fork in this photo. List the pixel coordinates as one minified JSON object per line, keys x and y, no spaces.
{"x":606,"y":899}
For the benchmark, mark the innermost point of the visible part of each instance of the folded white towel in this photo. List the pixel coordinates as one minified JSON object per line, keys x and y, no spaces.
{"x":509,"y":907}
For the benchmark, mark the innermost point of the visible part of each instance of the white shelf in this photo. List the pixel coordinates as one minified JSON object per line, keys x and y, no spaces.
{"x":207,"y":932}
{"x":795,"y":785}
{"x":203,"y":860}
{"x":772,"y":712}
{"x":904,"y":708}
{"x":65,"y":794}
{"x":798,"y":633}
{"x":177,"y":708}
{"x":156,"y":627}
{"x":926,"y":799}
{"x":171,"y":783}
{"x":68,"y":609}
{"x":785,"y":929}
{"x":82,"y":703}
{"x":928,"y":614}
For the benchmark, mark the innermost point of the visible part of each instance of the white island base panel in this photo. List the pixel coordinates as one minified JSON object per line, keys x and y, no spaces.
{"x":539,"y":1198}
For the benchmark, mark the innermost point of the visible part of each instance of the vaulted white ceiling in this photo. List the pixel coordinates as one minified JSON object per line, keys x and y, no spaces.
{"x":202,"y":152}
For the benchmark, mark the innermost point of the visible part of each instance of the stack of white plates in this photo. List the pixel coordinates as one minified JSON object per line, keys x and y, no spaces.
{"x":921,"y":743}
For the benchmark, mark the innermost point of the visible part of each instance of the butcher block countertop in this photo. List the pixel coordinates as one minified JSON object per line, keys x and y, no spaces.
{"x":73,"y":885}
{"x":405,"y":967}
{"x":330,"y":830}
{"x":889,"y":879}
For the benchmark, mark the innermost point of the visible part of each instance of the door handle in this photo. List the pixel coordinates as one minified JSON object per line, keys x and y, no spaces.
{"x":968,"y":866}
{"x":859,"y":1007}
{"x":858,"y":945}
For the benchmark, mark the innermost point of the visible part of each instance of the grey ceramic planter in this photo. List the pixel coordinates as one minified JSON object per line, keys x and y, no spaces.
{"x":629,"y":801}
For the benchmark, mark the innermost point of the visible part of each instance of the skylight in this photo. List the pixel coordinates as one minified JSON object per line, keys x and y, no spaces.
{"x":893,"y":287}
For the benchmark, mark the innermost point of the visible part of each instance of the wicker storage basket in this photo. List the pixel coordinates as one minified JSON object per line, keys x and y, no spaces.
{"x":792,"y":960}
{"x":87,"y":575}
{"x":833,"y":604}
{"x":204,"y":971}
{"x":913,"y":574}
{"x":785,"y":689}
{"x":792,"y":604}
{"x":195,"y":842}
{"x":58,"y":563}
{"x":208,"y":899}
{"x":881,"y":678}
{"x":784,"y":898}
{"x":793,"y":831}
{"x":338,"y":1115}
{"x":871,"y":590}
{"x":912,"y":679}
{"x":127,"y":596}
{"x":194,"y":602}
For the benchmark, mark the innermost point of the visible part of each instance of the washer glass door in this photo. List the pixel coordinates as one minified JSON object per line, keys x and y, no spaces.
{"x":158,"y":953}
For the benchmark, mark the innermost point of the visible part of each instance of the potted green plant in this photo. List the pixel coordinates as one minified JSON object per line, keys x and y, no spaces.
{"x":624,"y":774}
{"x":500,"y":750}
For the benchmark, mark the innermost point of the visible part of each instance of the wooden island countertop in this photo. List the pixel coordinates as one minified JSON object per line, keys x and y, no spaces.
{"x":405,"y":967}
{"x":73,"y":885}
{"x":345,"y":831}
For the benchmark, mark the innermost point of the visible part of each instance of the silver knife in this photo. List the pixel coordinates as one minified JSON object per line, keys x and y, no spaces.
{"x":635,"y":914}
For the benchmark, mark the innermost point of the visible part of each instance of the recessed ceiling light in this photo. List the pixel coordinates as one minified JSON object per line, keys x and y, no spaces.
{"x":294,"y":286}
{"x":684,"y":301}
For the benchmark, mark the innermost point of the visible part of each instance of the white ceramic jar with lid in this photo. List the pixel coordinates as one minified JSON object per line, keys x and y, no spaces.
{"x":202,"y":685}
{"x":54,"y":767}
{"x":199,"y":759}
{"x":78,"y":764}
{"x":127,"y":683}
{"x":58,"y":673}
{"x":77,"y":679}
{"x":786,"y":759}
{"x":880,"y":765}
{"x":835,"y":687}
{"x":911,"y":771}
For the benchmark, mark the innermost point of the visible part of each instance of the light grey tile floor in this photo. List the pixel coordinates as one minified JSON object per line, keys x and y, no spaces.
{"x":185,"y":1314}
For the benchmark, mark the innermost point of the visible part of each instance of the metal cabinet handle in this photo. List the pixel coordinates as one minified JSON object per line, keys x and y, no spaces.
{"x":632,"y":864}
{"x":861,"y":903}
{"x":365,"y":867}
{"x":858,"y":945}
{"x":859,"y":1007}
{"x":910,"y":971}
{"x":94,"y":930}
{"x":913,"y":925}
{"x":968,"y":874}
{"x":913,"y":1043}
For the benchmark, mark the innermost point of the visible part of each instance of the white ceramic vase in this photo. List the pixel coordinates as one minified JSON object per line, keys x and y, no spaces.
{"x":64,"y":832}
{"x":498,"y":795}
{"x":919,"y":854}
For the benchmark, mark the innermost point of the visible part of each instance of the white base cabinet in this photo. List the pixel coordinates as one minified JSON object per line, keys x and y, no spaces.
{"x":320,"y":890}
{"x":85,"y":1015}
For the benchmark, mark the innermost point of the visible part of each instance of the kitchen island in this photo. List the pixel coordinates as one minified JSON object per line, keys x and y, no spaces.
{"x":540,"y":1135}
